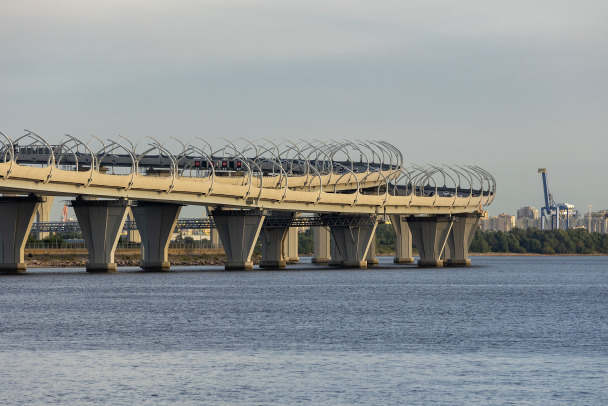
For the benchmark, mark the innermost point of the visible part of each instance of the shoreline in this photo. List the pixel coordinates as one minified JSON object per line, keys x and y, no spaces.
{"x":64,"y":260}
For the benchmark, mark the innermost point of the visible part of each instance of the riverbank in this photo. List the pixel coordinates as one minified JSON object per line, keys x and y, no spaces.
{"x":80,"y":260}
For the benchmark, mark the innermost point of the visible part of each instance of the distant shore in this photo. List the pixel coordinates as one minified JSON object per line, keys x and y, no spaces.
{"x":65,"y":260}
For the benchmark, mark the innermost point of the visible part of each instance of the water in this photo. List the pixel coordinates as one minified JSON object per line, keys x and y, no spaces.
{"x":508,"y":330}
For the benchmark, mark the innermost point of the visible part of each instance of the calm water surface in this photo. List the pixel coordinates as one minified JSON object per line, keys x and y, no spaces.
{"x":508,"y":330}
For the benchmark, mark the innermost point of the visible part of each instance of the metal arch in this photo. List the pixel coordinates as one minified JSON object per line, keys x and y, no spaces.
{"x":491,"y":185}
{"x":9,"y":150}
{"x":253,"y":162}
{"x":318,"y":151}
{"x":133,"y":162}
{"x":51,"y":161}
{"x":381,"y":159}
{"x":447,"y":173}
{"x":98,"y":164}
{"x":327,"y":153}
{"x":174,"y":168}
{"x":469,"y":179}
{"x":481,"y":182}
{"x":378,"y":188}
{"x":244,"y":159}
{"x":398,"y":154}
{"x":401,"y":173}
{"x":209,"y":161}
{"x":286,"y":187}
{"x":342,"y":146}
{"x":314,"y":149}
{"x":426,"y":178}
{"x":382,"y":149}
{"x":358,"y":192}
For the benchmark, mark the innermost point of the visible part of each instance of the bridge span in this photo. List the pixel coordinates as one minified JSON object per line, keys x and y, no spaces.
{"x":251,"y":189}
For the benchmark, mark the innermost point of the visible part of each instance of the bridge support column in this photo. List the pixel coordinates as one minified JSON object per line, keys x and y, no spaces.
{"x":460,"y":239}
{"x":17,"y":215}
{"x":353,"y":241}
{"x":335,"y":256}
{"x":321,"y":240}
{"x":430,"y":234}
{"x":101,"y":223}
{"x":290,"y":246}
{"x":214,"y":238}
{"x":43,"y":214}
{"x":273,"y":244}
{"x":133,"y":236}
{"x":371,"y":252}
{"x":403,"y":245}
{"x":274,"y":247}
{"x":155,"y":222}
{"x":238,"y":231}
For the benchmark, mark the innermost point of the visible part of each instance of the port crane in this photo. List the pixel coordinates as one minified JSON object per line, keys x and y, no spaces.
{"x":556,"y":212}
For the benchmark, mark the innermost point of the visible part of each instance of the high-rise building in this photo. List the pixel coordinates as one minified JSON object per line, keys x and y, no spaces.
{"x":527,"y":212}
{"x":502,"y":222}
{"x":599,"y":222}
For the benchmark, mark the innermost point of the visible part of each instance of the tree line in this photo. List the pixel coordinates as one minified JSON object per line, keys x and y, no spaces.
{"x":535,"y":241}
{"x":519,"y":241}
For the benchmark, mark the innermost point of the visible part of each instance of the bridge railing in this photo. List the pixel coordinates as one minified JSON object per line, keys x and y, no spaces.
{"x":121,"y":246}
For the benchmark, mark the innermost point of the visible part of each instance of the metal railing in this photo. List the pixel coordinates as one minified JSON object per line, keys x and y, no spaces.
{"x":120,"y":246}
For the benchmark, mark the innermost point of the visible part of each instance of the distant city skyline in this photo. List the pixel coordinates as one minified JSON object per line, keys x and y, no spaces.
{"x":510,"y":86}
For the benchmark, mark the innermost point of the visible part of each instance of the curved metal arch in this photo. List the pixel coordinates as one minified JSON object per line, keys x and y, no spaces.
{"x":51,"y":161}
{"x":351,"y":173}
{"x":11,"y":151}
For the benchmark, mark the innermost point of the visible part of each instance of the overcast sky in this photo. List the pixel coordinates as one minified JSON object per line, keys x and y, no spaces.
{"x":508,"y":85}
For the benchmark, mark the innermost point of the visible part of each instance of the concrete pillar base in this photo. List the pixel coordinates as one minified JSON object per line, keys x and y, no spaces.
{"x":238,"y":230}
{"x":7,"y":269}
{"x":354,"y":264}
{"x":101,"y":223}
{"x":273,"y":264}
{"x":321,"y":245}
{"x":290,"y":246}
{"x":103,"y":267}
{"x":403,"y":260}
{"x":155,"y":266}
{"x":320,"y":260}
{"x":16,"y":217}
{"x":239,"y":266}
{"x":430,"y":263}
{"x":350,"y":243}
{"x":372,"y":262}
{"x":429,"y":235}
{"x":458,"y":262}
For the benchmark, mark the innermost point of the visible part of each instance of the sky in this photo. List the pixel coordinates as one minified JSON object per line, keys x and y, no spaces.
{"x":507,"y":85}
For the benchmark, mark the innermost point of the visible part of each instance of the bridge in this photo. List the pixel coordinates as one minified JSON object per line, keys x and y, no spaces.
{"x":251,"y":189}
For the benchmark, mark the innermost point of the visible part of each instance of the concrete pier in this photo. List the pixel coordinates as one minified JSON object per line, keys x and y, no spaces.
{"x":43,"y":214}
{"x":429,"y":235}
{"x":273,"y":247}
{"x":403,"y":244}
{"x":17,"y":215}
{"x":352,"y":243}
{"x":290,"y":246}
{"x":238,"y":231}
{"x":101,"y":222}
{"x":370,"y":258}
{"x":155,"y":222}
{"x":321,"y":242}
{"x":459,"y":239}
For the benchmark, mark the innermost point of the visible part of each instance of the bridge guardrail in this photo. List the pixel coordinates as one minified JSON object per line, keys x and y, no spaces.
{"x":120,"y":246}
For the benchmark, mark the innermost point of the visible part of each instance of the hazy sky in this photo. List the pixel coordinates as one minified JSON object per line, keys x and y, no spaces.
{"x":508,"y":85}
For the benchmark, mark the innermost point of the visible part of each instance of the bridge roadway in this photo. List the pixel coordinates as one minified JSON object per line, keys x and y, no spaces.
{"x":427,"y":204}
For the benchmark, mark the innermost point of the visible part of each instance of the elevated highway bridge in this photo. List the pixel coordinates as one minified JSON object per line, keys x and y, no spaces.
{"x":242,"y":183}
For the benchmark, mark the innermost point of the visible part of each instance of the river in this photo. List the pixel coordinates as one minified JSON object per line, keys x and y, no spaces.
{"x":507,"y":330}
